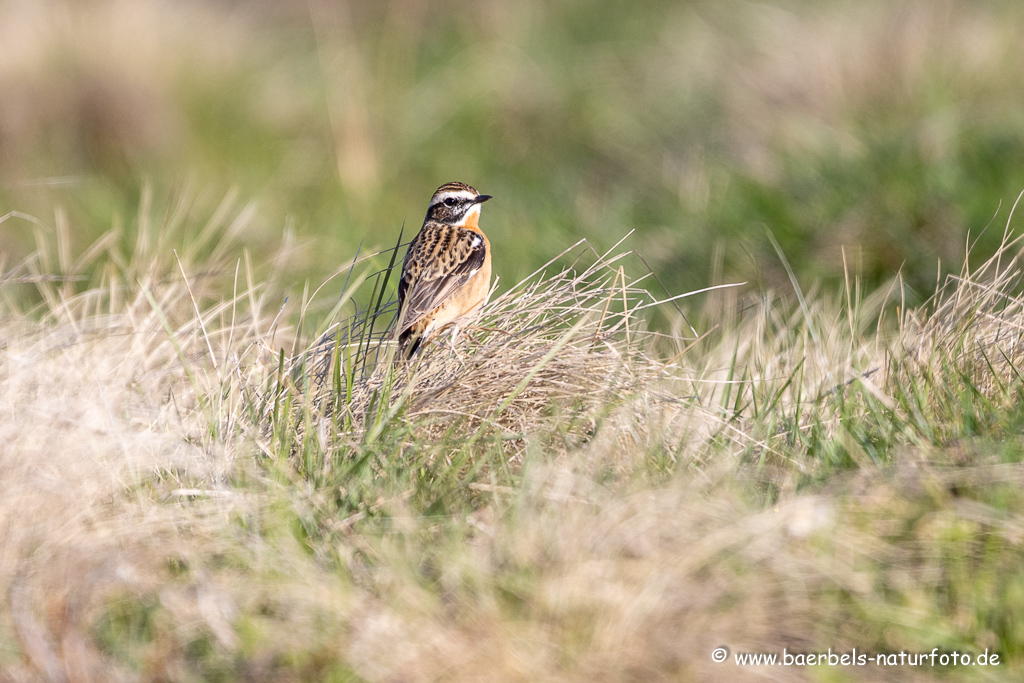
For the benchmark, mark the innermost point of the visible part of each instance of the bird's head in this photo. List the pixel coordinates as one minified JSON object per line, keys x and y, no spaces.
{"x":456,"y":204}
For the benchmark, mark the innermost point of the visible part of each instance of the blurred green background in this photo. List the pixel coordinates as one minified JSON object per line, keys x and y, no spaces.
{"x":891,"y":129}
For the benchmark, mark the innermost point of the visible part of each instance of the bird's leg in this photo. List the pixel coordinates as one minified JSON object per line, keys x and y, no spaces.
{"x":470,"y":329}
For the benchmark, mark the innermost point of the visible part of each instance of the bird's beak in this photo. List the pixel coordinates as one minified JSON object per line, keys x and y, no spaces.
{"x":481,"y":198}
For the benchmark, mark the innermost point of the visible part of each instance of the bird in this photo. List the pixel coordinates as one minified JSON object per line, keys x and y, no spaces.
{"x":446,"y":274}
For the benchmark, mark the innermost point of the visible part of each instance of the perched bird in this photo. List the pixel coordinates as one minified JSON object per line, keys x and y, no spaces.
{"x":447,"y":270}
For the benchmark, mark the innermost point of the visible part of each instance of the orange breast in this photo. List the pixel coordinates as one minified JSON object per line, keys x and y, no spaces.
{"x":465,"y":301}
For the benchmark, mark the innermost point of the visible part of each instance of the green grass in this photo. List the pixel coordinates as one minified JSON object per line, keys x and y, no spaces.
{"x":566,"y":491}
{"x":211,"y":470}
{"x":885,"y":130}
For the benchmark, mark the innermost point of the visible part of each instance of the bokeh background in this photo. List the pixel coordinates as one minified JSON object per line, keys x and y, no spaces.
{"x":787,"y":481}
{"x":892,"y":130}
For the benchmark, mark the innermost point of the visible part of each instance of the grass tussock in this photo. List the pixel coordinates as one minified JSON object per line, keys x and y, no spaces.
{"x":564,"y":493}
{"x":573,"y":338}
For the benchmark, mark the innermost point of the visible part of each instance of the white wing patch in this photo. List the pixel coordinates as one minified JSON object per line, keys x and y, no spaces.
{"x":476,"y":242}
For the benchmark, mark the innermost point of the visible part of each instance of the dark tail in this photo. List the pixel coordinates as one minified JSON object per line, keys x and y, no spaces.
{"x":409,"y":343}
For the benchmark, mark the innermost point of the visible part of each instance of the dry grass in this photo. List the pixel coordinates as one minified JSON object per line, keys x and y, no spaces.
{"x":567,"y":494}
{"x":974,"y":322}
{"x":549,"y":499}
{"x":576,"y":338}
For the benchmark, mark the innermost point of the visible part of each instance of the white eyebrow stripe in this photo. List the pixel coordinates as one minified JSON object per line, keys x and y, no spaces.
{"x":460,"y":194}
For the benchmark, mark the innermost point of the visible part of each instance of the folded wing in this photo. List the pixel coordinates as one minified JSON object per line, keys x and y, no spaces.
{"x":440,"y":261}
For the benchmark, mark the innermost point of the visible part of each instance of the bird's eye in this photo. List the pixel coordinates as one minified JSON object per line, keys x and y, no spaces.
{"x":450,"y":201}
